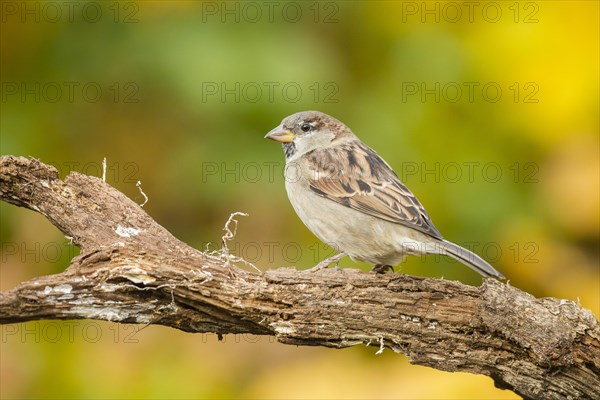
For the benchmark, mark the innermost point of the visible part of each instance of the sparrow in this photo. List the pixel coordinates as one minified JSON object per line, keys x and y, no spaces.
{"x":352,"y":200}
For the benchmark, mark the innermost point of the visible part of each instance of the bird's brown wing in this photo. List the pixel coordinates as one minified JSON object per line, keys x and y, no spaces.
{"x":357,"y":177}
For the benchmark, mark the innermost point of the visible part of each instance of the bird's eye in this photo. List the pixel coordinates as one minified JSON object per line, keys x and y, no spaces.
{"x":305,"y":127}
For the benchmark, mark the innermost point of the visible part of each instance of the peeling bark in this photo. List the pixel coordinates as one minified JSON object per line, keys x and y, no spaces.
{"x":132,"y":270}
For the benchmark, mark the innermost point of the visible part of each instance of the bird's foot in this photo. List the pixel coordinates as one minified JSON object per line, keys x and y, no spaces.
{"x":382,"y":269}
{"x":327,"y":262}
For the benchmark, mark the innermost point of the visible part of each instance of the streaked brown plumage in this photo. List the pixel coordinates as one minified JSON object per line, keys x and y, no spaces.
{"x":348,"y":196}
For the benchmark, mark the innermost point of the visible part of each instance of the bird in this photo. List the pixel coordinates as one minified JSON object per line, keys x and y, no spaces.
{"x":353,"y":201}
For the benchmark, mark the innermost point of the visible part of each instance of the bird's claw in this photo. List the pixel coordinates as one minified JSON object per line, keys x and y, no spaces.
{"x":327,"y":262}
{"x":382,"y":269}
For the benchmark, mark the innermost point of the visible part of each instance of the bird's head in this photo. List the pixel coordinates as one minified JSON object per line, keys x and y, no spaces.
{"x":308,"y":130}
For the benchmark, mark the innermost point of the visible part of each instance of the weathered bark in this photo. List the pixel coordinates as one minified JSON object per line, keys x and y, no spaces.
{"x":131,"y":270}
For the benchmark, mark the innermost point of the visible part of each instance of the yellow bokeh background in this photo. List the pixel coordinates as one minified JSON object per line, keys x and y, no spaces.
{"x":187,"y":91}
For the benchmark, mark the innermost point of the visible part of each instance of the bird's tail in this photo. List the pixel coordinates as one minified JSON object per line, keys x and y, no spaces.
{"x":470,"y":259}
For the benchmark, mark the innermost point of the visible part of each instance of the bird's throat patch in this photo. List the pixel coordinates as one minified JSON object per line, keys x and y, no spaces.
{"x":290,"y":149}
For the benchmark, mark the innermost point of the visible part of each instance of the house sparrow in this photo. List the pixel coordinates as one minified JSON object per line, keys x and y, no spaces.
{"x":352,"y":200}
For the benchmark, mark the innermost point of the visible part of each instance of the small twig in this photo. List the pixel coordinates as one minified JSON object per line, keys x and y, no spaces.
{"x":139,"y":186}
{"x":381,"y":346}
{"x":223,"y":253}
{"x":229,"y":234}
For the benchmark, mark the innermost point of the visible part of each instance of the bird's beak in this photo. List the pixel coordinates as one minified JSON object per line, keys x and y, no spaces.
{"x":281,"y":134}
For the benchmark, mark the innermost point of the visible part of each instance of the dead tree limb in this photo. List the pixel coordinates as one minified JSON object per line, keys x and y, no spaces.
{"x":131,"y":270}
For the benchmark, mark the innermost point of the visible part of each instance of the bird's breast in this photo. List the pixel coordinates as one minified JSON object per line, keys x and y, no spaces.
{"x":361,"y":236}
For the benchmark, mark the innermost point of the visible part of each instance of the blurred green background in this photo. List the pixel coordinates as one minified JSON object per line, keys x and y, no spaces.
{"x":488,"y":111}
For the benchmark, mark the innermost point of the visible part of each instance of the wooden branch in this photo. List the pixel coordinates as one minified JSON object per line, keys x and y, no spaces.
{"x":131,"y":270}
